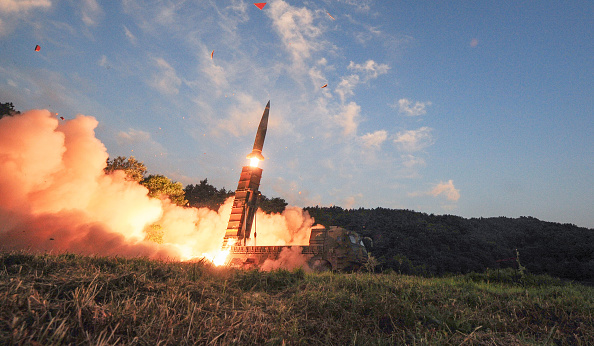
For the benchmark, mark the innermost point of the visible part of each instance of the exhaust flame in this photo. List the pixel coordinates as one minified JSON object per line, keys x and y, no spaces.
{"x":55,"y":197}
{"x":254,"y":162}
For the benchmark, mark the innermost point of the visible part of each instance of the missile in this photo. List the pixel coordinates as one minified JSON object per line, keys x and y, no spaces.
{"x":260,"y":135}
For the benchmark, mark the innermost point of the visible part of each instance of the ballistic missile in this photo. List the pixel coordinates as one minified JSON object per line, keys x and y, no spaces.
{"x":260,"y":135}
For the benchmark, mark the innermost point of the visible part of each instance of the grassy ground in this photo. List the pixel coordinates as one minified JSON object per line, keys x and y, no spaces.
{"x":70,"y":299}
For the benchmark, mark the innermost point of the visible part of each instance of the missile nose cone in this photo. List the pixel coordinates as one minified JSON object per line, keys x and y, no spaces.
{"x":260,"y":135}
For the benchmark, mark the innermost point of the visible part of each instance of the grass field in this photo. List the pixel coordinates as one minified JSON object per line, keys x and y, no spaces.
{"x":71,"y":299}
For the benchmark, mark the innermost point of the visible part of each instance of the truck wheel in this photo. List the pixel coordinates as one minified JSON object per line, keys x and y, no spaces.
{"x":320,"y":265}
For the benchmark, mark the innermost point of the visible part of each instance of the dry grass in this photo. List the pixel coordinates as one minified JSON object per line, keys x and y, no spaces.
{"x":70,"y":299}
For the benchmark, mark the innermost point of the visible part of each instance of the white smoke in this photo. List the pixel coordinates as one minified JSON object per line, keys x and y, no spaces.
{"x":55,"y":197}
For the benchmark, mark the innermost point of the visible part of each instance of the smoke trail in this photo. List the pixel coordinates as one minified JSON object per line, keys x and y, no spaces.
{"x":55,"y":196}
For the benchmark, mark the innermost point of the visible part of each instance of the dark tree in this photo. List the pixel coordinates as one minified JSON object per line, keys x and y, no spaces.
{"x":7,"y":109}
{"x":205,"y":195}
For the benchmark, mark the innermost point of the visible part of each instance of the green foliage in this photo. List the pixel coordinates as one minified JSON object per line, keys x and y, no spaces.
{"x":7,"y":109}
{"x":72,"y":299}
{"x":160,"y":186}
{"x":134,"y":169}
{"x":205,"y":195}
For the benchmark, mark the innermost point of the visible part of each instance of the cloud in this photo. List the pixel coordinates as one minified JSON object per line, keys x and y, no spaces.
{"x":374,"y":140}
{"x":140,"y":142}
{"x":133,"y":136}
{"x":91,"y":12}
{"x":350,"y":201}
{"x":446,"y":189}
{"x":12,"y":12}
{"x":243,"y":118}
{"x":406,"y":107}
{"x":414,"y":140}
{"x":370,"y":69}
{"x":130,"y":36}
{"x":411,"y":161}
{"x":364,"y":72}
{"x":103,"y":61}
{"x":296,"y":29}
{"x":13,"y":6}
{"x":346,"y":86}
{"x":360,"y":5}
{"x":348,"y":119}
{"x":165,"y":80}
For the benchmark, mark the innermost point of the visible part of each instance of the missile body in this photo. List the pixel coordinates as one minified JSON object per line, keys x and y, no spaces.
{"x":260,"y":135}
{"x":245,"y":202}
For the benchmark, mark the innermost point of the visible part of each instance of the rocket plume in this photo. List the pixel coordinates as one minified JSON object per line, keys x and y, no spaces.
{"x":55,"y":197}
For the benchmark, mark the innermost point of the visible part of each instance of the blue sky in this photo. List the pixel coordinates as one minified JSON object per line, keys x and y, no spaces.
{"x":467,"y":108}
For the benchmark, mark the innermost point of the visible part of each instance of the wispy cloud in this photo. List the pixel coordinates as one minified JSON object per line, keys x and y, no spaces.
{"x":12,"y":13}
{"x":90,"y":12}
{"x":130,"y":35}
{"x":243,"y":117}
{"x":411,"y":161}
{"x":297,"y":30}
{"x":348,"y":119}
{"x":346,"y":86}
{"x":414,"y":140}
{"x":363,"y":73}
{"x":406,"y":107}
{"x":140,"y":142}
{"x":12,"y":6}
{"x":361,"y":5}
{"x":133,"y":136}
{"x":370,"y":69}
{"x":165,"y":80}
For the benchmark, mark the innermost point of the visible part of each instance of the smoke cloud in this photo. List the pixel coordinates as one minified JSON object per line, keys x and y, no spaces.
{"x":55,"y":197}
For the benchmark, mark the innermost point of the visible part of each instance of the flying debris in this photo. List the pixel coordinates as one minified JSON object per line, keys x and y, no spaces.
{"x":260,"y":5}
{"x":325,"y":85}
{"x":330,"y":16}
{"x":212,"y":54}
{"x":37,"y":48}
{"x":62,"y":118}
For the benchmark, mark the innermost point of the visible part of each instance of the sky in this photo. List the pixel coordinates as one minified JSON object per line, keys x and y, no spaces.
{"x":476,"y":109}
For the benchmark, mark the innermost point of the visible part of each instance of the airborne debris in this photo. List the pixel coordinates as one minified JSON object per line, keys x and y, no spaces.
{"x":260,"y":5}
{"x":325,"y":85}
{"x":212,"y":54}
{"x":37,"y":48}
{"x":330,"y":15}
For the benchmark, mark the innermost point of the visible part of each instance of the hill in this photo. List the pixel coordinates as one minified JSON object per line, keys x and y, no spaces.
{"x":417,"y":243}
{"x":71,"y":299}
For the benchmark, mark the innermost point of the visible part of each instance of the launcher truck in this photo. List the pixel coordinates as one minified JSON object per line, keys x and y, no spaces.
{"x":332,"y":248}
